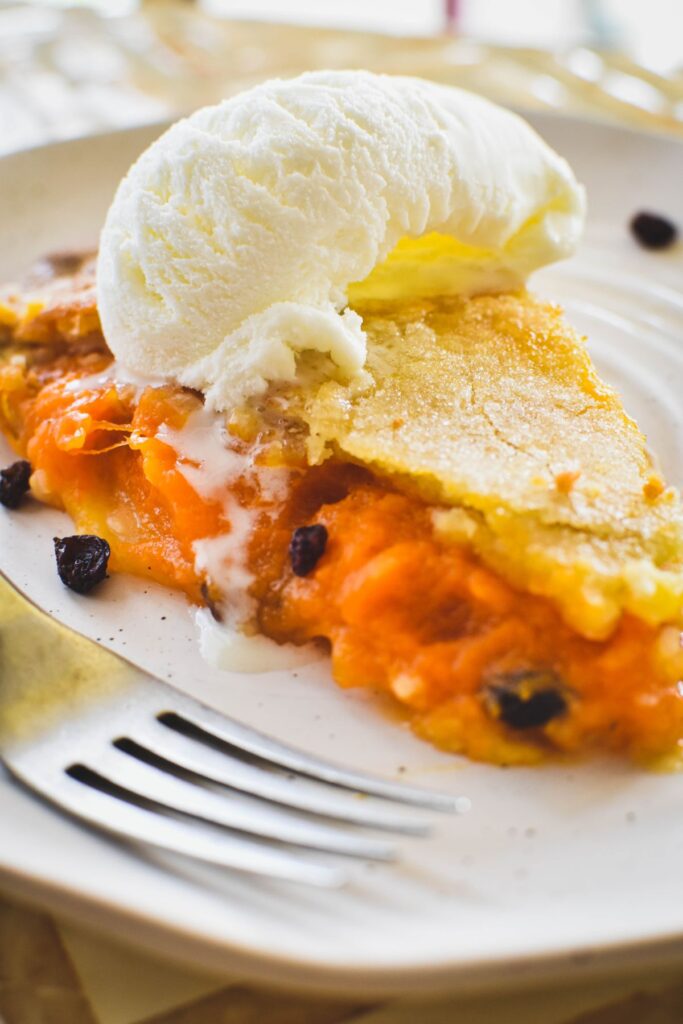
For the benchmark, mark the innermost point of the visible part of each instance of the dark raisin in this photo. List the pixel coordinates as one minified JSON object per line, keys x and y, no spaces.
{"x":526,"y":698}
{"x":81,"y":561}
{"x":653,"y":231}
{"x":307,"y":547}
{"x":210,"y":601}
{"x":14,"y":483}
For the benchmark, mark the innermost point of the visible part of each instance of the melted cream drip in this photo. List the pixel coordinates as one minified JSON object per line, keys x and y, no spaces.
{"x":210,"y":466}
{"x":227,"y":648}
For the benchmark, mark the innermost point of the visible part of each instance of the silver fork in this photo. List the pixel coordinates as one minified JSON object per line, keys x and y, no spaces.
{"x":126,"y":753}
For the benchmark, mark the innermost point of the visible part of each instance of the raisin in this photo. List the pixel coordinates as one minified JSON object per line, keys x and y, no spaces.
{"x":653,"y":231}
{"x":14,"y":483}
{"x":526,"y":698}
{"x":81,"y":561}
{"x":210,"y":600}
{"x":307,"y":547}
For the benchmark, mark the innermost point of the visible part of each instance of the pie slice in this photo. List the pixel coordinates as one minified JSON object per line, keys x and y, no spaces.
{"x":491,"y":409}
{"x":475,"y":527}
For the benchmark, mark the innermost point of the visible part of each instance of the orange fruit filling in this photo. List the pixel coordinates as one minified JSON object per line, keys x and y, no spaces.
{"x":480,"y":667}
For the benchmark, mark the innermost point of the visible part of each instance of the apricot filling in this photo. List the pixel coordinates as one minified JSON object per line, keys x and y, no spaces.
{"x":341,"y":555}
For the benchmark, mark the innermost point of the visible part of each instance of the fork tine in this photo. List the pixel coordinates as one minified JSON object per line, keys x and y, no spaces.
{"x":228,"y":731}
{"x":298,"y":792}
{"x":65,"y":708}
{"x":202,"y":842}
{"x":233,"y":811}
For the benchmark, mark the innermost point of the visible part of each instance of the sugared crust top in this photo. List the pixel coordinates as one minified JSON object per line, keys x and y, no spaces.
{"x":492,"y":409}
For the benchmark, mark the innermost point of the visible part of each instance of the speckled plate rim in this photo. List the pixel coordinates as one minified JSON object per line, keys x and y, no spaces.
{"x":178,"y":945}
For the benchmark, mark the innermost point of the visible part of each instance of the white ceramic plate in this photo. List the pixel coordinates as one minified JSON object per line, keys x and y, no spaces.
{"x":554,"y":869}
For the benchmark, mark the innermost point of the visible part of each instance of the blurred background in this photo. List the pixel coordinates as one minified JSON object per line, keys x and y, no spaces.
{"x":72,"y":68}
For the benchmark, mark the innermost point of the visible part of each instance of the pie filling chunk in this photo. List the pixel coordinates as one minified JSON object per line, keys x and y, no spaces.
{"x":475,"y":527}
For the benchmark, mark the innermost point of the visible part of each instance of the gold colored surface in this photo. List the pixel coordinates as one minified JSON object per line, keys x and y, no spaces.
{"x":44,"y":667}
{"x":38,"y":984}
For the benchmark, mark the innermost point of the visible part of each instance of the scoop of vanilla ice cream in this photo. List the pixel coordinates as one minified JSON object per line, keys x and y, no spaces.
{"x":233,"y":243}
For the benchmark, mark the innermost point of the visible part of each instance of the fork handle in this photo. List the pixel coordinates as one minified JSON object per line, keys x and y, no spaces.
{"x":45,"y":667}
{"x":12,"y":603}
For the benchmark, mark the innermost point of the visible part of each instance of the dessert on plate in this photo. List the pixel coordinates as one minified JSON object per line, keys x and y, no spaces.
{"x":303,"y":381}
